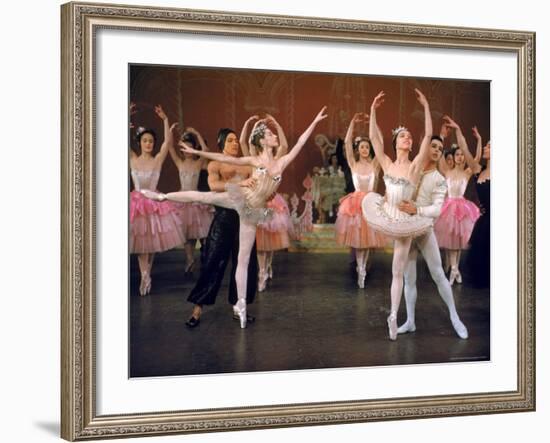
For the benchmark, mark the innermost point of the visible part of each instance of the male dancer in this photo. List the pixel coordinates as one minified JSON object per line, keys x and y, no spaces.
{"x":223,"y":237}
{"x":430,"y":196}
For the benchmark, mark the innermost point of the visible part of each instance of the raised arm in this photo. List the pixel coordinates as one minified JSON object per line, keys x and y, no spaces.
{"x":420,"y":159}
{"x":288,"y":158}
{"x":168,"y":139}
{"x":376,"y":136}
{"x":172,"y":149}
{"x":461,"y":140}
{"x":477,"y":158}
{"x":348,"y":141}
{"x":238,"y":161}
{"x":283,"y":143}
{"x":133,"y":111}
{"x":243,"y":140}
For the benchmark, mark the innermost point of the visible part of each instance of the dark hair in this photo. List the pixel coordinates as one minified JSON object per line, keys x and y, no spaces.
{"x":190,"y":139}
{"x":436,"y":137}
{"x":333,"y":156}
{"x":257,"y":135}
{"x":448,"y":152}
{"x":222,"y":135}
{"x":140,"y":133}
{"x":358,"y":141}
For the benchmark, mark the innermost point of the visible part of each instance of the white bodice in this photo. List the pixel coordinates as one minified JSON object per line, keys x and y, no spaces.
{"x":145,"y":179}
{"x":189,"y":180}
{"x":456,"y":187}
{"x":363,"y":182}
{"x":397,"y":190}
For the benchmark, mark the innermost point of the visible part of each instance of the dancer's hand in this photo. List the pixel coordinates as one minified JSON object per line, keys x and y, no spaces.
{"x":445,"y":131}
{"x":160,"y":112}
{"x":174,"y":127}
{"x":361,"y":117}
{"x":378,"y":100}
{"x":321,"y":116}
{"x":476,"y":133}
{"x":407,"y":207}
{"x":248,"y":183}
{"x":186,"y":149}
{"x":421,"y":97}
{"x":450,"y":122}
{"x":157,"y":196}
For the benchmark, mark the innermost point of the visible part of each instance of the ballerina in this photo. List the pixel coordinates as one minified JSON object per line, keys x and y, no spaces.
{"x":196,"y":217}
{"x":249,"y":198}
{"x":272,"y":235}
{"x":458,"y":216}
{"x":154,"y":226}
{"x":351,"y":229}
{"x":400,"y":177}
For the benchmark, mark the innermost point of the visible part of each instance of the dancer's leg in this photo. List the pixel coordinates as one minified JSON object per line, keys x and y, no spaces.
{"x":189,"y":254}
{"x":262,"y":275}
{"x":221,"y":199}
{"x":270,"y":264}
{"x":143,"y":262}
{"x":453,"y":256}
{"x":361,"y":256}
{"x":410,"y":292}
{"x":247,"y":237}
{"x":430,"y":250}
{"x":401,"y":248}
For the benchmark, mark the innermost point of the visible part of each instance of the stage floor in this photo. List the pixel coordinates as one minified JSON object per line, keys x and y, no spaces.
{"x":311,"y":316}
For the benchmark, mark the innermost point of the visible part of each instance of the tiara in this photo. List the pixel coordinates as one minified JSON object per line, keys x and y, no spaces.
{"x":259,"y":129}
{"x":398,"y":130}
{"x":454,"y":146}
{"x":140,"y":131}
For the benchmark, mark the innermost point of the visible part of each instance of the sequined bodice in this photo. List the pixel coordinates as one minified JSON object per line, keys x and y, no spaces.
{"x":266,"y":185}
{"x":456,"y":186}
{"x":189,"y":180}
{"x":397,"y":190}
{"x":363,"y":182}
{"x":145,"y":179}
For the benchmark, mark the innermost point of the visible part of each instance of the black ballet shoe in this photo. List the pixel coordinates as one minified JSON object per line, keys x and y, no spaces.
{"x":249,"y":318}
{"x":192,"y":322}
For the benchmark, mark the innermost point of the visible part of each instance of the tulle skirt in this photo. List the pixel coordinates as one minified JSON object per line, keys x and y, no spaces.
{"x":195,"y":218}
{"x":154,"y":226}
{"x":247,"y":214}
{"x":454,"y":226}
{"x":378,"y":215}
{"x":274,"y":234}
{"x":351,"y":228}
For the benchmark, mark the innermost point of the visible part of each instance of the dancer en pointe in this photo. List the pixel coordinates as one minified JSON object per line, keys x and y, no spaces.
{"x":351,"y":228}
{"x":154,"y":226}
{"x":248,"y":198}
{"x":272,"y":235}
{"x":401,"y":176}
{"x":458,"y":216}
{"x":430,"y":196}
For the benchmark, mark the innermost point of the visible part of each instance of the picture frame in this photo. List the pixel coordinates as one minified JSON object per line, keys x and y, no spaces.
{"x":80,"y":24}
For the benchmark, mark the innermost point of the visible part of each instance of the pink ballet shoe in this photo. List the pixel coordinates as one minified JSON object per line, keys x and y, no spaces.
{"x":458,"y":276}
{"x":361,"y":274}
{"x":454,"y":275}
{"x":270,"y":271}
{"x":145,"y":285}
{"x":392,"y":325}
{"x":240,"y":310}
{"x":262,"y":281}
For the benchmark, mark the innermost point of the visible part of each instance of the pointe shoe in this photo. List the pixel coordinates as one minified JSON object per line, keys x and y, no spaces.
{"x":262,"y":281}
{"x":453,"y":276}
{"x":392,"y":326}
{"x":145,"y":284}
{"x":270,"y":271}
{"x":408,"y":326}
{"x":458,"y":276}
{"x":361,"y":274}
{"x":240,"y":310}
{"x":148,"y":285}
{"x":459,"y":327}
{"x":190,"y":267}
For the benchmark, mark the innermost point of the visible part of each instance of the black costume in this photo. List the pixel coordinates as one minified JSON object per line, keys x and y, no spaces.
{"x":221,"y":243}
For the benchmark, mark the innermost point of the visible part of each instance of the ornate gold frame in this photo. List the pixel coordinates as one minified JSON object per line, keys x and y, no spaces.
{"x":78,"y":415}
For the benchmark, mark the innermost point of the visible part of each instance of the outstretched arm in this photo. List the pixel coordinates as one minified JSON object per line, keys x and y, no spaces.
{"x":243,"y":140}
{"x":477,"y":158}
{"x":288,"y":158}
{"x":171,"y":148}
{"x":238,"y":161}
{"x":283,"y":143}
{"x":376,"y":136}
{"x":168,"y":139}
{"x":422,"y":155}
{"x":348,"y":141}
{"x":461,"y":140}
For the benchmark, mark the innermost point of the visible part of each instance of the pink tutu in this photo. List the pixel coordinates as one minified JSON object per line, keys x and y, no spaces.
{"x":195,"y":218}
{"x":154,"y":226}
{"x":273,"y":235}
{"x":352,"y":229}
{"x":456,"y":222}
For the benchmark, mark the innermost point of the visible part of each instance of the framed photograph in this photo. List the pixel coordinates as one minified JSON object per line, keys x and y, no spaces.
{"x":323,"y":115}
